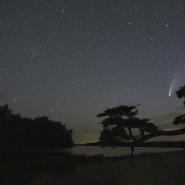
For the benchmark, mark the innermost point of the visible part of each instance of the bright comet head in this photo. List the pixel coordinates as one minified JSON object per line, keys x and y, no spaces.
{"x":169,"y":94}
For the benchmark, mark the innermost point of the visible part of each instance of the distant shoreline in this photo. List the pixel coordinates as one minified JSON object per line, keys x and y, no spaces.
{"x":162,"y":144}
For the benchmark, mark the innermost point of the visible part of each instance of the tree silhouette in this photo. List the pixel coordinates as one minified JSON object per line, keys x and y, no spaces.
{"x":180,"y":119}
{"x":122,"y":124}
{"x":17,"y":132}
{"x":181,"y":93}
{"x":5,"y":112}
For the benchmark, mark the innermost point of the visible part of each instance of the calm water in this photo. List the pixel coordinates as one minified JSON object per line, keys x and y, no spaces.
{"x":118,"y":151}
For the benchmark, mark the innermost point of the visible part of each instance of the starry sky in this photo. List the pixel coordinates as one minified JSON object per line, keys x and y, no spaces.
{"x":71,"y":59}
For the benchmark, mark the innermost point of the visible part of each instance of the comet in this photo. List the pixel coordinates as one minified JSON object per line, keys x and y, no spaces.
{"x":178,"y":78}
{"x":170,"y":92}
{"x":172,"y":87}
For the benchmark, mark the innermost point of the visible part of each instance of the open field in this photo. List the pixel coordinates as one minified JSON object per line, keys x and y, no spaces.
{"x":146,"y":169}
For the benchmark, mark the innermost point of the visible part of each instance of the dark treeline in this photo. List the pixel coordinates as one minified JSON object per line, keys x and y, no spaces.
{"x":17,"y":132}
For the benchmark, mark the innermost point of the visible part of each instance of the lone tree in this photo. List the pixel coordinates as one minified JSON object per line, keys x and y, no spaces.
{"x":122,"y":124}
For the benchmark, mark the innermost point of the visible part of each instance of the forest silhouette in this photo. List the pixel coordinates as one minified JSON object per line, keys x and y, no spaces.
{"x":17,"y":132}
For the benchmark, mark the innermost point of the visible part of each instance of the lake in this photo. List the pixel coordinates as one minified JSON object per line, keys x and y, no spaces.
{"x":118,"y":151}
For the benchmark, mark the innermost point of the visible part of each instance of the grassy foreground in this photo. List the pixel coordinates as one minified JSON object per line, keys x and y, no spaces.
{"x":63,"y":169}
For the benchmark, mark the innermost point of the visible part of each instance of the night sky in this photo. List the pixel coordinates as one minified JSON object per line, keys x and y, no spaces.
{"x":71,"y":59}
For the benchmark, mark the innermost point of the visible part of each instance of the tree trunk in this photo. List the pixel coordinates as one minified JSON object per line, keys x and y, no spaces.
{"x":132,"y":152}
{"x":132,"y":144}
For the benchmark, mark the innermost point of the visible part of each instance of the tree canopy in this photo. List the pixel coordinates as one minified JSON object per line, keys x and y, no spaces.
{"x":122,"y":124}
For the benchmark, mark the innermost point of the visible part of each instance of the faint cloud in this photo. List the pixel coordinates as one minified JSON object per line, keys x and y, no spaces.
{"x":165,"y":121}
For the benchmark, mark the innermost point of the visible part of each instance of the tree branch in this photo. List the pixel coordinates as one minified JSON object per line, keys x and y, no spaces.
{"x":158,"y":133}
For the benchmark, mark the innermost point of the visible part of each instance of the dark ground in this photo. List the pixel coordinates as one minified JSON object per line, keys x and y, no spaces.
{"x":64,"y":169}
